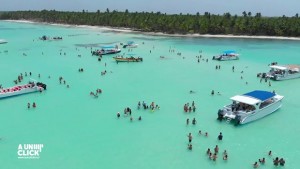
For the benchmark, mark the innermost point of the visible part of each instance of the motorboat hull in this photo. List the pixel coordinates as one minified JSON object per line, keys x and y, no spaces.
{"x":261,"y":113}
{"x":284,"y":77}
{"x":21,"y":92}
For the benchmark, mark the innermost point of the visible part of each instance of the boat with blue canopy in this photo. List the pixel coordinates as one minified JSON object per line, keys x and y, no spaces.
{"x":112,"y":49}
{"x":250,"y":106}
{"x":227,"y":55}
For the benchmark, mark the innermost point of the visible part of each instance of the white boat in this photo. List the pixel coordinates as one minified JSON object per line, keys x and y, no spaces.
{"x":2,"y":41}
{"x":227,"y":55}
{"x":278,"y":72}
{"x":250,"y":106}
{"x":131,"y":44}
{"x":22,"y":89}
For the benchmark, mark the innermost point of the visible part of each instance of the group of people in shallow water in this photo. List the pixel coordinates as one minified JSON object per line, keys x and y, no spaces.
{"x":128,"y":112}
{"x":152,"y":106}
{"x":61,"y":80}
{"x":276,"y":161}
{"x":33,"y":105}
{"x":80,"y":70}
{"x":212,"y":155}
{"x":95,"y":94}
{"x":20,"y":77}
{"x":188,"y":108}
{"x":193,"y":121}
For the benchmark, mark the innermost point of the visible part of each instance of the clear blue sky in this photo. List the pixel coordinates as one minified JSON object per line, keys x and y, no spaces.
{"x":266,"y":7}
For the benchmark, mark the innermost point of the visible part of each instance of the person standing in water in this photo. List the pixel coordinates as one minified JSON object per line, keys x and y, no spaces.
{"x":190,"y":137}
{"x":220,"y":137}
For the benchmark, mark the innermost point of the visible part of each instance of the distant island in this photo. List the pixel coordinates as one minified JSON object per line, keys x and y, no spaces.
{"x":246,"y":24}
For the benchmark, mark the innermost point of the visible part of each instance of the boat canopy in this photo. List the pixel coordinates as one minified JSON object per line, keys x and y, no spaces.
{"x":279,"y":67}
{"x":229,"y":51}
{"x":253,"y":97}
{"x":130,"y":42}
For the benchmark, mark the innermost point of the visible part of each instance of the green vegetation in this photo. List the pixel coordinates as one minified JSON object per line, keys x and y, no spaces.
{"x":247,"y":24}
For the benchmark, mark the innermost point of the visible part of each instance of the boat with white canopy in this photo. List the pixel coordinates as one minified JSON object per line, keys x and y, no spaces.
{"x":250,"y":106}
{"x":283,"y":72}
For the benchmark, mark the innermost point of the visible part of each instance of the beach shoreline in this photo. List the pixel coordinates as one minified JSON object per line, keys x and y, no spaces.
{"x":129,"y":30}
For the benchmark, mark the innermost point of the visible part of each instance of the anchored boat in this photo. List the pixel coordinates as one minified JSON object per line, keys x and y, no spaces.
{"x":283,"y":72}
{"x":227,"y":55}
{"x":22,"y":89}
{"x":130,"y":44}
{"x":107,"y":50}
{"x":250,"y":106}
{"x":2,"y":41}
{"x":130,"y":59}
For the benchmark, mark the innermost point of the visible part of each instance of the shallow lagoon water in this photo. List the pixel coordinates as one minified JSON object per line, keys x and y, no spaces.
{"x":79,"y":131}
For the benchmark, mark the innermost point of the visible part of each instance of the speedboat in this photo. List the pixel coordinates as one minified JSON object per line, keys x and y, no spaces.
{"x":250,"y":106}
{"x":107,"y":50}
{"x":130,"y":44}
{"x":22,"y":89}
{"x":283,"y":72}
{"x":2,"y":41}
{"x":227,"y":55}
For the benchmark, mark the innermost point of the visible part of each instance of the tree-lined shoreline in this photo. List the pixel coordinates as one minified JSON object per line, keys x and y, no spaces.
{"x":247,"y":24}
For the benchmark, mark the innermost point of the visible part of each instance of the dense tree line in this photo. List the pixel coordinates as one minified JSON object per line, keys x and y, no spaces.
{"x":246,"y":24}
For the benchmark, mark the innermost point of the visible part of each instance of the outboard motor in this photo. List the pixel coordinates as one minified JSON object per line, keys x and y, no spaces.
{"x":264,"y":75}
{"x":220,"y":114}
{"x":44,"y":86}
{"x":213,"y":58}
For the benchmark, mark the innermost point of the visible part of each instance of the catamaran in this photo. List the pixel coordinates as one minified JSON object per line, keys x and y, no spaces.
{"x":107,"y":50}
{"x":227,"y":55}
{"x":283,"y":72}
{"x":250,"y":106}
{"x":22,"y":89}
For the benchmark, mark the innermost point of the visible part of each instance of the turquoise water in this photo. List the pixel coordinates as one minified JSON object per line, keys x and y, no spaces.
{"x":79,"y":131}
